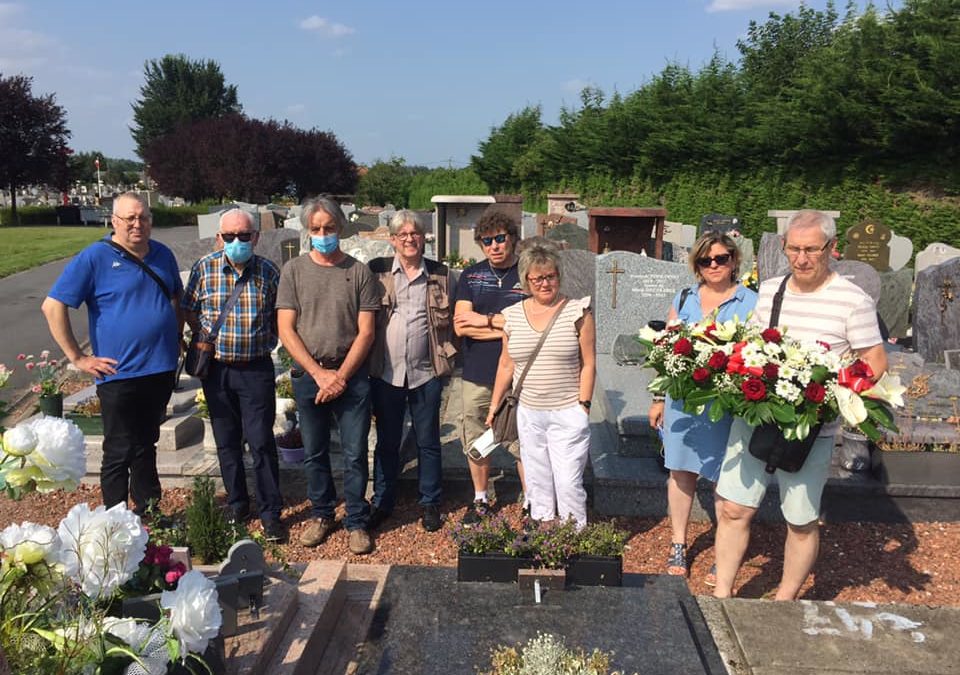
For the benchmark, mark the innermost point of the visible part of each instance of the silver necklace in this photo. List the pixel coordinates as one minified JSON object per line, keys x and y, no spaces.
{"x":499,"y":277}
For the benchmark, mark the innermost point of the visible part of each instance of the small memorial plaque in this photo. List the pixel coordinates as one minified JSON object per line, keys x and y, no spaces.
{"x":869,"y":242}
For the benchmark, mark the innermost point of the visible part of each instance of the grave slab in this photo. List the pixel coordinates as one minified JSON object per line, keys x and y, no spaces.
{"x":427,"y":622}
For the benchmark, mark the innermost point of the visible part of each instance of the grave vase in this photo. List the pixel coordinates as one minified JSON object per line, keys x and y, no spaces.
{"x":51,"y":404}
{"x":595,"y":570}
{"x":498,"y":567}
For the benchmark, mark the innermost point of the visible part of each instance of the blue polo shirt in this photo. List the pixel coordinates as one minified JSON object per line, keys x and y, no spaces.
{"x":129,"y":318}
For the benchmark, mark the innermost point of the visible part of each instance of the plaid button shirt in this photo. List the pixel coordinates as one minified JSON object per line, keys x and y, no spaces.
{"x":250,"y":330}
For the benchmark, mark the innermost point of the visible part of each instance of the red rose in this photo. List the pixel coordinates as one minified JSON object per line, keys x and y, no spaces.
{"x":754,"y":389}
{"x":709,"y":330}
{"x":860,"y":369}
{"x":823,"y":344}
{"x":771,"y":371}
{"x":718,"y":361}
{"x":771,"y":335}
{"x":701,"y":375}
{"x":814,"y":392}
{"x":683,"y":346}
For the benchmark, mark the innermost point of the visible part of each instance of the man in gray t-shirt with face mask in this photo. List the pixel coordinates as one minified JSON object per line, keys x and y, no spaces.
{"x":326,"y":307}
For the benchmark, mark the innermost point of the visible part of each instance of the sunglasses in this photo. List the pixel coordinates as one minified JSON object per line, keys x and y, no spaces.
{"x":499,"y":238}
{"x":242,"y":236}
{"x":721,"y":260}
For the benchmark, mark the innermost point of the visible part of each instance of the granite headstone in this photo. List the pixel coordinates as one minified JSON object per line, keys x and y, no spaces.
{"x":569,"y":236}
{"x":936,"y":310}
{"x":579,"y":273}
{"x":901,"y":250}
{"x":771,"y":262}
{"x":894,"y":303}
{"x":869,"y":242}
{"x":631,"y":290}
{"x":860,"y":273}
{"x":719,"y":223}
{"x":934,"y":254}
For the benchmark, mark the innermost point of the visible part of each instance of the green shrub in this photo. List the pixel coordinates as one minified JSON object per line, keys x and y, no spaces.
{"x":209,"y":535}
{"x":177,"y":216}
{"x":29,"y":215}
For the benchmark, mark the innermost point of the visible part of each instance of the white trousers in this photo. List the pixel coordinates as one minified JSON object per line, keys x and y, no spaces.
{"x":554,"y":446}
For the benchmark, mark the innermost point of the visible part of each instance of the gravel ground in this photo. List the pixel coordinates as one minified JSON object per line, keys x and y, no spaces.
{"x":900,"y":563}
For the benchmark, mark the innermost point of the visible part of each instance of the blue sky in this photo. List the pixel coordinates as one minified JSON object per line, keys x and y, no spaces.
{"x":425,"y":80}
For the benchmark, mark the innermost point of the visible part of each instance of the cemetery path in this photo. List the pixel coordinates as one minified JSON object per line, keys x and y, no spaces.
{"x":23,"y":329}
{"x":859,"y":562}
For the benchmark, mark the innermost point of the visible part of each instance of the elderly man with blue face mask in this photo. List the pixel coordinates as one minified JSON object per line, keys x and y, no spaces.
{"x":240,"y":387}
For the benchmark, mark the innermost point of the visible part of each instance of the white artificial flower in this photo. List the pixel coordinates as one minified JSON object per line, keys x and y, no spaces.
{"x":19,"y":441}
{"x":29,"y":543}
{"x":146,"y":640}
{"x":887,"y":389}
{"x":102,"y":548}
{"x":850,"y":405}
{"x":60,"y":453}
{"x":195,"y":616}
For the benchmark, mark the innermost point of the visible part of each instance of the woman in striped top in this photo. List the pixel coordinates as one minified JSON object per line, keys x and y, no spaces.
{"x":554,"y":405}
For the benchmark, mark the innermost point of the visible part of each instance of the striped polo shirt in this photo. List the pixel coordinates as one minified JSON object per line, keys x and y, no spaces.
{"x":554,"y":378}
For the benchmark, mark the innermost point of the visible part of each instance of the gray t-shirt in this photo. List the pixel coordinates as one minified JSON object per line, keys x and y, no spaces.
{"x":327,"y":301}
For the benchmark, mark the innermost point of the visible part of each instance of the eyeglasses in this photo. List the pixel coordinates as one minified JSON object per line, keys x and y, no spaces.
{"x":131,"y":220}
{"x":404,"y":236}
{"x":545,"y":279}
{"x":707,"y":260}
{"x":499,"y":238}
{"x":810,"y":251}
{"x":242,"y":236}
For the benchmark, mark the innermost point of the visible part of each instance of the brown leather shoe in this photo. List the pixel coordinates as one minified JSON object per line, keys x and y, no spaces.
{"x":360,"y":542}
{"x":318,"y":530}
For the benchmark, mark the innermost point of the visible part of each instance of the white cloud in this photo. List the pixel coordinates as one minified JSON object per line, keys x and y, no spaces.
{"x":736,"y":5}
{"x":296,"y":109}
{"x":325,"y":27}
{"x":575,"y":85}
{"x":9,"y":9}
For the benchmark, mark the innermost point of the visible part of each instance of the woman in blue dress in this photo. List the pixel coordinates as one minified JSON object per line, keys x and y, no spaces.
{"x":693,"y":445}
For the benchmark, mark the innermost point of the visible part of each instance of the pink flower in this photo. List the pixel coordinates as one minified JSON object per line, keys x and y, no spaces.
{"x":36,"y":389}
{"x":174,"y":573}
{"x":45,"y":353}
{"x":30,"y":366}
{"x":21,"y":357}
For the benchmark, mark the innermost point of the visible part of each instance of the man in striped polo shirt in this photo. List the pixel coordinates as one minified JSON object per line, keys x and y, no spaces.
{"x":240,"y":388}
{"x":818,"y":305}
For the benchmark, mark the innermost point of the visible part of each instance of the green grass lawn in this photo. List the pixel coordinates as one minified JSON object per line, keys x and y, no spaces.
{"x":24,"y":247}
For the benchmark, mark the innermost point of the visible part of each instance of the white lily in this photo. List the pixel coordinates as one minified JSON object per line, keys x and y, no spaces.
{"x":851,"y":406}
{"x":726,"y":330}
{"x":888,"y":389}
{"x":647,"y":334}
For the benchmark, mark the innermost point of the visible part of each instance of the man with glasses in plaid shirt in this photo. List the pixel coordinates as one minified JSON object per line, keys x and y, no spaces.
{"x":240,"y":387}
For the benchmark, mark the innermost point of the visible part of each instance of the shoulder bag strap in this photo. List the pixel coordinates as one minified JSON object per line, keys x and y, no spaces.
{"x":228,"y":305}
{"x":684,"y":294}
{"x":144,"y":266}
{"x":778,"y":302}
{"x":543,"y":338}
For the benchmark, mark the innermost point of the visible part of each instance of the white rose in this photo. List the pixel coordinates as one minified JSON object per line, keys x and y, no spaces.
{"x":19,"y":441}
{"x":29,"y":543}
{"x":195,"y":616}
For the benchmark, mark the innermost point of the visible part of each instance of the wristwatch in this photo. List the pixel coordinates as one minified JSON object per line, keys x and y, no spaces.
{"x":490,"y":320}
{"x":585,"y":404}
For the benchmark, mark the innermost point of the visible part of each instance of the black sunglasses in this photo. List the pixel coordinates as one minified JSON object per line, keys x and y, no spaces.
{"x":499,"y":238}
{"x":242,"y":236}
{"x":721,"y":259}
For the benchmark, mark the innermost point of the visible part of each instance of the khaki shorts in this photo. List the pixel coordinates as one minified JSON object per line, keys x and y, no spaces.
{"x":476,"y":405}
{"x":744,"y":479}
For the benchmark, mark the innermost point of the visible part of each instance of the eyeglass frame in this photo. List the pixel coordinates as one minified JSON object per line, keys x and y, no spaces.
{"x":130,"y":220}
{"x":499,"y":238}
{"x":242,"y":236}
{"x":710,"y":259}
{"x":408,"y":236}
{"x":543,"y":278}
{"x":811,"y":252}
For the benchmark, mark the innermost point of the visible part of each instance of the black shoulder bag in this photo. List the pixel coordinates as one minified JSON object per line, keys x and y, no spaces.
{"x":767,"y":443}
{"x":203,"y":346}
{"x":505,"y":417}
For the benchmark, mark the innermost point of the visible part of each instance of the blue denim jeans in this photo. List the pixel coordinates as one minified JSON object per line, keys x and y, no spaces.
{"x":352,"y":412}
{"x":390,"y":405}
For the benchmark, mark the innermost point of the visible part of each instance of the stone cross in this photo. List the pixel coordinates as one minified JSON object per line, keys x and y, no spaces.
{"x":616,"y":271}
{"x":290,"y":249}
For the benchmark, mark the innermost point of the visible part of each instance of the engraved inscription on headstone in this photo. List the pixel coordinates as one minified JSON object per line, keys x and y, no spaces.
{"x":936,"y":310}
{"x":869,"y":242}
{"x":719,"y":223}
{"x":645,"y":288}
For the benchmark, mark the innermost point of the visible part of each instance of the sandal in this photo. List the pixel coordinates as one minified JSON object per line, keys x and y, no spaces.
{"x":677,"y":562}
{"x":711,"y":579}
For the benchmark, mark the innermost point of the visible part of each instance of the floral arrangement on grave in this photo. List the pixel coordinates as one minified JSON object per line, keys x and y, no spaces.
{"x":284,"y":388}
{"x":549,"y":545}
{"x":58,"y":587}
{"x":290,"y":439}
{"x":42,"y":455}
{"x":751,"y":279}
{"x":203,"y":412}
{"x":46,"y":371}
{"x":547,"y":654}
{"x":88,"y":407}
{"x":764,"y":376}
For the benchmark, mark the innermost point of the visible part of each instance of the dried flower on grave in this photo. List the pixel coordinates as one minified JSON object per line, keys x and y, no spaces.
{"x":547,"y":654}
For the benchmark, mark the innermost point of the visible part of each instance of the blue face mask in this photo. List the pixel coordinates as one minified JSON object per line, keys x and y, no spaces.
{"x":238,"y":251}
{"x":326,"y":244}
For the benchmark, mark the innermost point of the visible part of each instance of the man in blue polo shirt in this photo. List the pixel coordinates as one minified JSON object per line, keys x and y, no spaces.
{"x":131,"y":287}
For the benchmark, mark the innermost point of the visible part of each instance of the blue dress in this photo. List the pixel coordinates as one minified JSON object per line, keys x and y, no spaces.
{"x":692,"y":442}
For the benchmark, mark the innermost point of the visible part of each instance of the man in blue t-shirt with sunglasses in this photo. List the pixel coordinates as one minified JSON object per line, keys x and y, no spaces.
{"x":483,"y":291}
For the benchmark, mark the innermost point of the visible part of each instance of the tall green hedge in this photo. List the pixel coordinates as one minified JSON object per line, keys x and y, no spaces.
{"x":163,"y":216}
